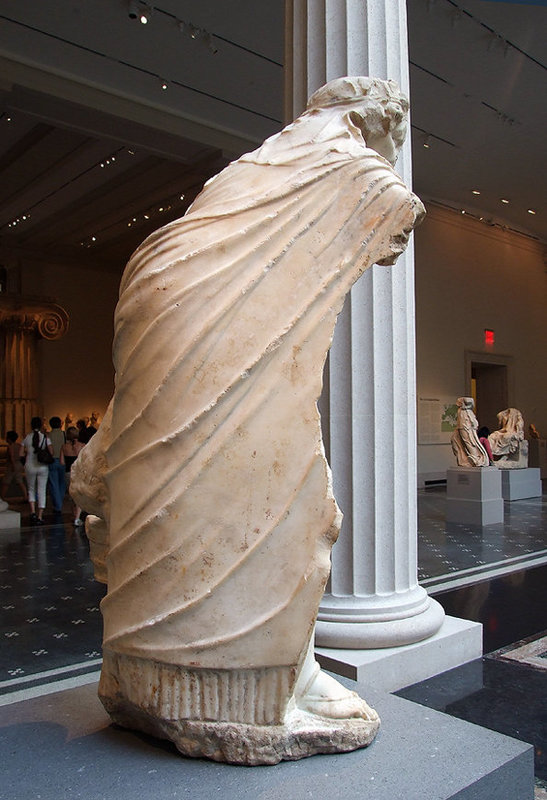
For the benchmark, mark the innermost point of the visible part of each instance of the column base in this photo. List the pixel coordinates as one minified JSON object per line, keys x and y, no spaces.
{"x":363,"y":635}
{"x":389,"y":669}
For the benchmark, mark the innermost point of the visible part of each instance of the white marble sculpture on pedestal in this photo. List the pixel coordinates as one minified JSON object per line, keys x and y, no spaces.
{"x":509,"y":447}
{"x":465,"y":442}
{"x":208,"y":476}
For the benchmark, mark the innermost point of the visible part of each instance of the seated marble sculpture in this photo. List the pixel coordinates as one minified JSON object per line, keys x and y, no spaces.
{"x":213,"y":509}
{"x":465,"y":442}
{"x":509,"y":447}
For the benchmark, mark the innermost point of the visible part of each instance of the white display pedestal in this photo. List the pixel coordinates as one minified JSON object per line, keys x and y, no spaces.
{"x":537,"y":455}
{"x":10,"y":519}
{"x":473,"y":495}
{"x":518,"y":484}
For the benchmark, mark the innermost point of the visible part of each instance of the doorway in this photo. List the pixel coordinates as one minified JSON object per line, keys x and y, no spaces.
{"x":489,"y":388}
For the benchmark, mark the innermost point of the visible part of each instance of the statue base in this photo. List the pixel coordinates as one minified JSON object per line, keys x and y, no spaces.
{"x":301,"y":735}
{"x":518,"y":484}
{"x":246,"y":717}
{"x":473,"y":496}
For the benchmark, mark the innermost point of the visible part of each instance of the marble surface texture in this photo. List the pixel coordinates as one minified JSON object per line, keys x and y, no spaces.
{"x":509,"y":447}
{"x":465,"y":442}
{"x":212,"y":511}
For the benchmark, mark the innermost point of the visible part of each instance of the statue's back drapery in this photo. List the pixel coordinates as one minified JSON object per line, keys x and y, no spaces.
{"x":208,"y":469}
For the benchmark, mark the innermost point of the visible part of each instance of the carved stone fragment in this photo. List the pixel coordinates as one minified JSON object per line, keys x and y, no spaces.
{"x":208,"y":474}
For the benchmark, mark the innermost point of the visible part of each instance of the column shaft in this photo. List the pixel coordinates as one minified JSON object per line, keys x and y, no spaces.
{"x":373,"y":598}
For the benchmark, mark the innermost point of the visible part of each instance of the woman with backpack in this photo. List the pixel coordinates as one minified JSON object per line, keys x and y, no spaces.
{"x":39,"y":454}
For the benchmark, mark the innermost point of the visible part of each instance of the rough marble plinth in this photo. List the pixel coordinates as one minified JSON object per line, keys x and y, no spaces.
{"x":302,"y":735}
{"x":226,"y":715}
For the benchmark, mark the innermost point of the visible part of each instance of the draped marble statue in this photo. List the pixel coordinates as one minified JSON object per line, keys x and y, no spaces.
{"x":213,"y":510}
{"x":465,"y":442}
{"x":509,"y":447}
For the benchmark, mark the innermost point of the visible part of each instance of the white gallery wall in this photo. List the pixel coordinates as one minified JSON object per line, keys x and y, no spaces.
{"x":471,"y":276}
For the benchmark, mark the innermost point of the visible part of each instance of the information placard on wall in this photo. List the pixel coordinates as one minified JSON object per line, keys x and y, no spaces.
{"x":436,"y":419}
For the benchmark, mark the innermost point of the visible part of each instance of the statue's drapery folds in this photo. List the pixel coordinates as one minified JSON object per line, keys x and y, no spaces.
{"x":509,"y":447}
{"x":465,"y":442}
{"x":208,"y":468}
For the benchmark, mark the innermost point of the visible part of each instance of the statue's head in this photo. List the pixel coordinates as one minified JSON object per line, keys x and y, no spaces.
{"x":378,"y":109}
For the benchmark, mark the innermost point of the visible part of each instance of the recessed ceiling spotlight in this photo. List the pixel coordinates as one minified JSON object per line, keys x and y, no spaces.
{"x":531,"y":211}
{"x":504,"y":200}
{"x":164,"y":85}
{"x":475,"y":191}
{"x":427,"y":142}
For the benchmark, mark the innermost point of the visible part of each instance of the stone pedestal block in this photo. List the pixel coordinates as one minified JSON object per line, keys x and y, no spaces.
{"x":10,"y":519}
{"x":421,"y":753}
{"x":473,"y":496}
{"x":517,"y":484}
{"x":391,"y":668}
{"x":537,"y":455}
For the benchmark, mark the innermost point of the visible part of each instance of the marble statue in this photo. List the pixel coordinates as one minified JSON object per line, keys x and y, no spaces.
{"x":465,"y":442}
{"x":212,"y":508}
{"x":509,"y":447}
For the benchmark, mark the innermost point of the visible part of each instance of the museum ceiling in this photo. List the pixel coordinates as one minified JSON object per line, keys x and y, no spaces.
{"x":85,"y":185}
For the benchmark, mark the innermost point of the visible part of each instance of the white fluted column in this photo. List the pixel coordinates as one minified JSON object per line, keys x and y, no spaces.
{"x":373,"y":598}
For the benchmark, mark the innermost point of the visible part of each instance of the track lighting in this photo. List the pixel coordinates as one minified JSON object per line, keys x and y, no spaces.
{"x":139,"y":10}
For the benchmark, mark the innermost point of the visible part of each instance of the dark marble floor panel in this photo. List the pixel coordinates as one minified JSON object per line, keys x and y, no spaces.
{"x":507,"y":698}
{"x":510,"y":608}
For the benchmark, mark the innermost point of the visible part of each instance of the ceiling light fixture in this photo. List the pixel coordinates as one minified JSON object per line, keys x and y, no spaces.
{"x":140,"y":10}
{"x":427,"y":142}
{"x":504,"y":200}
{"x":475,"y":191}
{"x":531,"y":211}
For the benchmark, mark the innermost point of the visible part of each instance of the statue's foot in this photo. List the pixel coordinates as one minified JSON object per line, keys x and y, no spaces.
{"x":326,"y":697}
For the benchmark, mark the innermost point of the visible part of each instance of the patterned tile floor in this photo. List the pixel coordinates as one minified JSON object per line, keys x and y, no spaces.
{"x":50,"y":623}
{"x":451,"y":555}
{"x":49,"y":601}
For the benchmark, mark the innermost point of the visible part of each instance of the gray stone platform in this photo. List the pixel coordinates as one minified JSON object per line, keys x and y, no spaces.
{"x":519,"y":484}
{"x":63,"y":746}
{"x":473,"y":496}
{"x":9,"y":519}
{"x":391,"y":668}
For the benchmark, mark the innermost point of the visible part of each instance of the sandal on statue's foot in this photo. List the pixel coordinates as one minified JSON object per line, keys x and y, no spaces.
{"x":326,"y":697}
